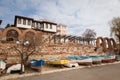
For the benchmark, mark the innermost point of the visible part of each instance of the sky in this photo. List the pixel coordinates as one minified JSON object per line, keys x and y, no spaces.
{"x":78,"y":15}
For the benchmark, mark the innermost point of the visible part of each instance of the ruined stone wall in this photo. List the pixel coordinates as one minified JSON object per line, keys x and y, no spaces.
{"x":58,"y":49}
{"x":108,"y":44}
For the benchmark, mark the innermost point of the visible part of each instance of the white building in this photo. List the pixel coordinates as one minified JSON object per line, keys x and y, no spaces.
{"x":25,"y":22}
{"x":61,"y":29}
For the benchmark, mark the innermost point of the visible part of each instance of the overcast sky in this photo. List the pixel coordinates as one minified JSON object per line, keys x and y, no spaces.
{"x":78,"y":15}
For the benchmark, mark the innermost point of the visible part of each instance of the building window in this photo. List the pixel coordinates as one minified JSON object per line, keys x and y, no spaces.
{"x":28,"y":22}
{"x":50,"y":26}
{"x":38,"y":25}
{"x":47,"y":26}
{"x":41,"y":26}
{"x":24,"y":21}
{"x":19,"y":20}
{"x":33,"y":25}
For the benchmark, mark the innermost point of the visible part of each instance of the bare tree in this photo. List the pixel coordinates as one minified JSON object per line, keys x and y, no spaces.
{"x":89,"y":35}
{"x":29,"y":45}
{"x":115,"y":30}
{"x":25,"y":49}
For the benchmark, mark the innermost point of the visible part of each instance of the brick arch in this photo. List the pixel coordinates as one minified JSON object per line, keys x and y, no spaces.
{"x":108,"y":43}
{"x":11,"y":28}
{"x":114,"y":43}
{"x":98,"y":44}
{"x":29,"y":30}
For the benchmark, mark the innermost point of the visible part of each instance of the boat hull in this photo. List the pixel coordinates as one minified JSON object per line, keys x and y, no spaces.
{"x":71,"y":64}
{"x":96,"y":59}
{"x":109,"y":59}
{"x":37,"y":65}
{"x":87,"y":61}
{"x":60,"y":62}
{"x":117,"y":58}
{"x":97,"y":62}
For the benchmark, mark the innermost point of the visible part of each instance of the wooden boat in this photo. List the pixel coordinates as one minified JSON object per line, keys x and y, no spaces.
{"x":2,"y":66}
{"x":71,"y":64}
{"x":81,"y":60}
{"x":117,"y":58}
{"x":96,"y":59}
{"x":84,"y":61}
{"x":108,"y":58}
{"x":16,"y":68}
{"x":58,"y":62}
{"x":37,"y":64}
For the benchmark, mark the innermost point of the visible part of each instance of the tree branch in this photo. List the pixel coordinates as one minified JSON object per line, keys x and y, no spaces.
{"x":17,"y":50}
{"x":31,"y":52}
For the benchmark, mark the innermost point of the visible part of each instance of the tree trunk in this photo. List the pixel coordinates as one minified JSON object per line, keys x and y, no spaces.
{"x":25,"y":60}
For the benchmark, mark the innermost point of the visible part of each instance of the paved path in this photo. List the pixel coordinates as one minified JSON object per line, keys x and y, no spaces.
{"x":106,"y":72}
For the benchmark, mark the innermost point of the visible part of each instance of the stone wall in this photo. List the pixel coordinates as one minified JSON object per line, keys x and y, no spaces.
{"x":49,"y":50}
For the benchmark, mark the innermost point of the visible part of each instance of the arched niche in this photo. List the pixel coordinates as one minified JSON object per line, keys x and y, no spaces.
{"x":29,"y":34}
{"x":108,"y":46}
{"x":113,"y":43}
{"x":101,"y":42}
{"x":12,"y":32}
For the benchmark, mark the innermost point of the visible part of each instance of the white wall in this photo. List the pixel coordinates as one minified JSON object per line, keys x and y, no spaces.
{"x":53,"y":29}
{"x":62,"y":30}
{"x":48,"y":29}
{"x":23,"y":26}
